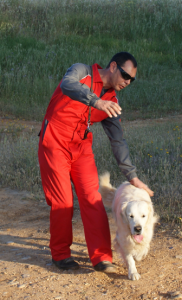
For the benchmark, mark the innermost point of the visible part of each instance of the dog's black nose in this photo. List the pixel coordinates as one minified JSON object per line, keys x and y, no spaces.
{"x":138,"y":229}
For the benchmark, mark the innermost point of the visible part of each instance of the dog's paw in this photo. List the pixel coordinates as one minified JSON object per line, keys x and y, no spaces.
{"x":134,"y":276}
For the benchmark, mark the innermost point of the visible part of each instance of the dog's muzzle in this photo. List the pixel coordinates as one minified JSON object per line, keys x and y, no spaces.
{"x":138,"y":229}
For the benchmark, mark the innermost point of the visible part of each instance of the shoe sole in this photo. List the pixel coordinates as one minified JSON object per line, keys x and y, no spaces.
{"x":108,"y":270}
{"x":67,"y":268}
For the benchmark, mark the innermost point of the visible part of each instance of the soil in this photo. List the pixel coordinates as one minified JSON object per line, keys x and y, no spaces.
{"x":26,"y":270}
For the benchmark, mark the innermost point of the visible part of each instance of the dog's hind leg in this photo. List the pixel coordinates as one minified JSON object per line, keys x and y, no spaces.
{"x":132,"y":271}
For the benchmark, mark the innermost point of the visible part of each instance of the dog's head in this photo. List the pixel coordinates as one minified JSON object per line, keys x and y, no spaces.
{"x":137,"y":214}
{"x":136,"y":210}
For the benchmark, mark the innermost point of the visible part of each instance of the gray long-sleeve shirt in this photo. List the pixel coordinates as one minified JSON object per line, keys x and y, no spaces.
{"x":72,"y":87}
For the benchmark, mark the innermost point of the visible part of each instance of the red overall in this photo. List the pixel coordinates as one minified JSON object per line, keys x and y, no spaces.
{"x":64,"y":157}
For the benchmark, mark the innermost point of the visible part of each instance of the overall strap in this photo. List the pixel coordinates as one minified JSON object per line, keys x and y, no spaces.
{"x":91,"y":89}
{"x":89,"y":113}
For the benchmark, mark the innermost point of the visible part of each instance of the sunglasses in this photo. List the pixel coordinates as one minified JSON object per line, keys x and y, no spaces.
{"x":125,"y":75}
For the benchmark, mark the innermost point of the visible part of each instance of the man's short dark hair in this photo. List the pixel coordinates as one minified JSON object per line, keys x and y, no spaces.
{"x":121,"y":57}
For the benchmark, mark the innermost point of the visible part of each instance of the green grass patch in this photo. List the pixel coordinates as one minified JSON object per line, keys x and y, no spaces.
{"x":40,"y":40}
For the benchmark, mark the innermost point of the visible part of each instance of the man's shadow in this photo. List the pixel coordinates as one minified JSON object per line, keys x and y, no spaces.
{"x":21,"y":250}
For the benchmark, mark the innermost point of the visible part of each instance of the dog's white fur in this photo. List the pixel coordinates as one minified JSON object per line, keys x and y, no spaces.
{"x":132,"y":209}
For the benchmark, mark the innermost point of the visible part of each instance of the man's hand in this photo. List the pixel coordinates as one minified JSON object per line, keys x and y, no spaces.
{"x":139,"y":184}
{"x":109,"y":107}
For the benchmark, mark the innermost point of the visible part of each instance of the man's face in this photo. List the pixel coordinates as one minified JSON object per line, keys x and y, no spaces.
{"x":117,"y":81}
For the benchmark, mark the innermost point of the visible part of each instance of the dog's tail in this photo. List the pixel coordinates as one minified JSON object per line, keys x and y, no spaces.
{"x":106,"y":190}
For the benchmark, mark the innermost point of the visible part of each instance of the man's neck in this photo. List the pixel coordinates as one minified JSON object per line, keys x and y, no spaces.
{"x":104,"y":75}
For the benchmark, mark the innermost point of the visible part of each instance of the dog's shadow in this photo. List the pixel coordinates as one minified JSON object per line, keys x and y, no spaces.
{"x":118,"y":276}
{"x":165,"y":295}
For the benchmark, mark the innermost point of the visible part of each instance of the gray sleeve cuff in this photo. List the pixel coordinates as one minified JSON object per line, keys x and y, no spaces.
{"x":131,"y":175}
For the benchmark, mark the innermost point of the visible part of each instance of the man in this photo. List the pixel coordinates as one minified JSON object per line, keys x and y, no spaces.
{"x":85,"y":95}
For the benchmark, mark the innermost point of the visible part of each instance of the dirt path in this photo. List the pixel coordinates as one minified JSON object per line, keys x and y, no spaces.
{"x":26,"y":271}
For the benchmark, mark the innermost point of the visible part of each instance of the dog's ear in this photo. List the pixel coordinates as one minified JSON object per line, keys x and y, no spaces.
{"x":150,"y":211}
{"x":123,"y":212}
{"x":152,"y":217}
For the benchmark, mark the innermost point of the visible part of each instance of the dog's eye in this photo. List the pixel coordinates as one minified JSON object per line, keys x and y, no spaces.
{"x":131,"y":216}
{"x":143,"y":216}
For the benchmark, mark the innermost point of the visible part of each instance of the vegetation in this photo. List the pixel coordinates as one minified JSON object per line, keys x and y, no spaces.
{"x":155,"y":150}
{"x":41,"y":39}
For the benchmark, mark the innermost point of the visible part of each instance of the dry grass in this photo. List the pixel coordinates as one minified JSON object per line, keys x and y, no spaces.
{"x":156,"y":150}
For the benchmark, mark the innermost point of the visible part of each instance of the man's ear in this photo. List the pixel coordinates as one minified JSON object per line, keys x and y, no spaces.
{"x":113,"y":66}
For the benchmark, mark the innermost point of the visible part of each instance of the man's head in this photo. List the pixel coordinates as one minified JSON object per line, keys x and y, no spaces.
{"x":123,"y":68}
{"x":121,"y":57}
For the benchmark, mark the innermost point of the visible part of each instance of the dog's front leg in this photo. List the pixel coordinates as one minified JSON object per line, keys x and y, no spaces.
{"x":132,"y":271}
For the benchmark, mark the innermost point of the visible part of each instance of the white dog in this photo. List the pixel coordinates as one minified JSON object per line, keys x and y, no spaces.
{"x":135,"y":219}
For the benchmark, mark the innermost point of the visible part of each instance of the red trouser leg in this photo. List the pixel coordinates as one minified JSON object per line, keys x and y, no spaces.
{"x":55,"y":174}
{"x":85,"y":178}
